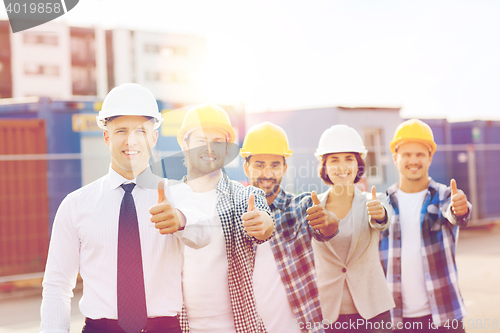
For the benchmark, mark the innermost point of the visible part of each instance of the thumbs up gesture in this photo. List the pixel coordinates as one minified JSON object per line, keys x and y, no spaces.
{"x":257,"y":223}
{"x":320,"y":218}
{"x":166,"y":218}
{"x":458,"y":200}
{"x":375,"y":209}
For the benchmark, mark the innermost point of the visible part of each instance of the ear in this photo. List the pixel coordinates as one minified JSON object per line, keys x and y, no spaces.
{"x":394,"y":158}
{"x":246,"y":169}
{"x":284,"y":168}
{"x":106,"y":137}
{"x":184,"y":146}
{"x":155,"y":138}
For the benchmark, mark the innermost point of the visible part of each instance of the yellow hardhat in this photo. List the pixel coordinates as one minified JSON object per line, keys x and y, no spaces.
{"x":413,"y":130}
{"x":265,"y":138}
{"x":206,"y":115}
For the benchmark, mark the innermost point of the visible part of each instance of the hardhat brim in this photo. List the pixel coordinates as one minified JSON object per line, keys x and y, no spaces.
{"x":430,"y":144}
{"x":101,"y":122}
{"x":223,"y":127}
{"x":319,"y":153}
{"x":246,"y":154}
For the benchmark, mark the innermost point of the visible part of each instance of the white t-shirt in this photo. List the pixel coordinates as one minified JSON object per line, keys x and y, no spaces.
{"x":205,"y":279}
{"x":270,"y":293}
{"x":414,"y":291}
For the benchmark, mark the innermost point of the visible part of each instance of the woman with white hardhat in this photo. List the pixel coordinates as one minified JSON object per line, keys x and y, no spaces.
{"x":351,"y":282}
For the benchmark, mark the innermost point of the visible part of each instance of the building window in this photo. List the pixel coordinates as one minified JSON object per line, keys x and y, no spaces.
{"x":175,"y":77}
{"x":40,"y":39}
{"x":168,"y":51}
{"x":166,"y":77}
{"x":375,"y":170}
{"x":49,"y":70}
{"x":83,"y":80}
{"x":82,"y":50}
{"x":151,"y":48}
{"x":152,"y":76}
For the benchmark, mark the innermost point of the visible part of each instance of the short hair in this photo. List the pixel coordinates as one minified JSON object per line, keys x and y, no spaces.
{"x":324,"y":175}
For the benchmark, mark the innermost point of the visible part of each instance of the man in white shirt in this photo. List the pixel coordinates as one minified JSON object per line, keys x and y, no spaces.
{"x":106,"y":232}
{"x":418,"y":249}
{"x":217,"y":280}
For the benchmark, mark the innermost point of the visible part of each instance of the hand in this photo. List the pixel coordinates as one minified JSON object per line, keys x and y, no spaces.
{"x":257,"y":223}
{"x":458,"y":200}
{"x":320,"y":218}
{"x":166,"y":218}
{"x":375,"y":209}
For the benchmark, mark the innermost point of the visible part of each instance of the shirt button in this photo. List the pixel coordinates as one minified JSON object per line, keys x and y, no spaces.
{"x":344,"y":270}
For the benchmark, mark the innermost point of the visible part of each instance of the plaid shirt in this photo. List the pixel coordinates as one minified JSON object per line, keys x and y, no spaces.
{"x":291,"y":245}
{"x":240,"y":251}
{"x":439,"y":232}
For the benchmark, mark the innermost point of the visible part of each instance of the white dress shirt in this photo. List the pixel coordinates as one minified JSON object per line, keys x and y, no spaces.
{"x":85,"y":239}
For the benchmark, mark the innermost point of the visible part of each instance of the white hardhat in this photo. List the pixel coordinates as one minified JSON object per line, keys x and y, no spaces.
{"x":129,"y":99}
{"x":340,"y":139}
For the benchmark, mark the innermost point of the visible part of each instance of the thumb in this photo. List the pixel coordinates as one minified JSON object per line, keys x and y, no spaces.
{"x":161,"y":192}
{"x":251,"y":203}
{"x":374,"y":193}
{"x":315,"y":199}
{"x":453,"y":185}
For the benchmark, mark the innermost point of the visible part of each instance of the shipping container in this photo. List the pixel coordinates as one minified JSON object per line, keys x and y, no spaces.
{"x":482,"y":145}
{"x":24,"y":202}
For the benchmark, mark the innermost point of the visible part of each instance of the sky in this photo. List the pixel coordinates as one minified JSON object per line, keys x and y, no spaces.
{"x":435,"y":59}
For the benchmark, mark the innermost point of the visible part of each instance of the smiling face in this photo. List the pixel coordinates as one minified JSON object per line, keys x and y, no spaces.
{"x":266,"y":171}
{"x":341,"y":168}
{"x":413,"y":160}
{"x":205,"y":151}
{"x":130,"y":140}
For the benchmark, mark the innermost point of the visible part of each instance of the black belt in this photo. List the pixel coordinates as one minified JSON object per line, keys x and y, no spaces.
{"x":153,"y":324}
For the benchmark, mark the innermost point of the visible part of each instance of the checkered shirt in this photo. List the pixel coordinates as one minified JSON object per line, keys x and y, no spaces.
{"x":439,"y":231}
{"x":240,"y":251}
{"x":291,"y":245}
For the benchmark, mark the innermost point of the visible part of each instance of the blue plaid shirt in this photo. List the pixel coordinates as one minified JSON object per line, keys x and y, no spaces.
{"x":291,"y":245}
{"x":439,"y":232}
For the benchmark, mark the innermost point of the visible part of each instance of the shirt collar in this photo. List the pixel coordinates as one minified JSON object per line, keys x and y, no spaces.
{"x":432,"y":187}
{"x":280,"y":201}
{"x":223,"y":186}
{"x":116,"y":180}
{"x":146,"y":179}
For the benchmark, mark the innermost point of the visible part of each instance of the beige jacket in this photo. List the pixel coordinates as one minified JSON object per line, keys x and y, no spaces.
{"x":362,"y":270}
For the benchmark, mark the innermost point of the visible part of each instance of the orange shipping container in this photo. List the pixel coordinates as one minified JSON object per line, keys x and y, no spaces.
{"x":24,"y":215}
